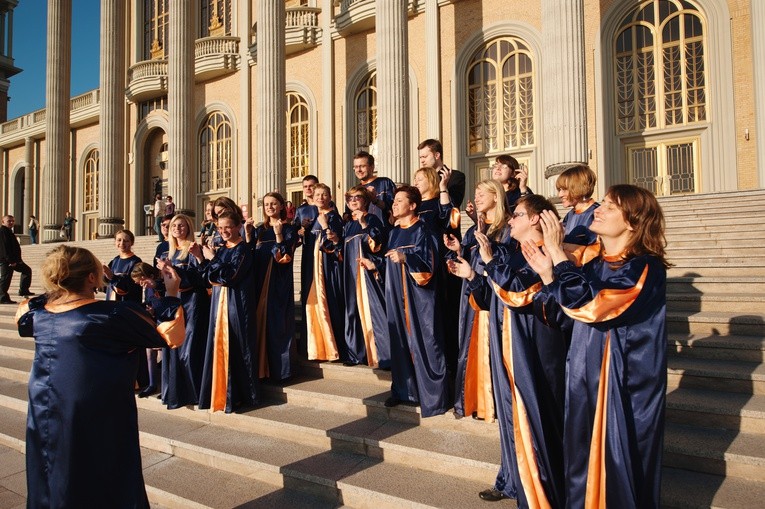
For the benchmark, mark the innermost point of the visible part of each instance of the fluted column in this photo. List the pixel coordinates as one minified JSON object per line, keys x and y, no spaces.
{"x":111,"y":174}
{"x":29,"y":145}
{"x":758,"y":47}
{"x":565,"y":104}
{"x":180,"y":104}
{"x":58,"y":65}
{"x":270,"y":87}
{"x":392,"y":91}
{"x":432,"y":71}
{"x":326,"y":171}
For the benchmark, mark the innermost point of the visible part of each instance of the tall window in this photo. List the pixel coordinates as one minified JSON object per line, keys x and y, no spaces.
{"x":91,"y":181}
{"x":500,"y":97}
{"x":215,"y":153}
{"x":365,"y":109}
{"x":298,"y":159}
{"x":146,"y":107}
{"x":660,"y":89}
{"x":215,"y":18}
{"x":155,"y":29}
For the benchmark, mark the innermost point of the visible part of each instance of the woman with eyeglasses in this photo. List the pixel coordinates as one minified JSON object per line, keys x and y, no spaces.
{"x":182,"y":368}
{"x":528,"y":365}
{"x":275,"y":242}
{"x":418,"y":363}
{"x":325,"y":315}
{"x":616,"y":370}
{"x":366,"y":326}
{"x":473,"y":387}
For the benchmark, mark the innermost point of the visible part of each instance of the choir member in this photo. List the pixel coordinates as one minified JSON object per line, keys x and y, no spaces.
{"x":418,"y":365}
{"x":82,"y":425}
{"x":616,"y":371}
{"x":325,"y":317}
{"x":275,"y":242}
{"x":366,"y":326}
{"x":230,"y":371}
{"x":182,"y":368}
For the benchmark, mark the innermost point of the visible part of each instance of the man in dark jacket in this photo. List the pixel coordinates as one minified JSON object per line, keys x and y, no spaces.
{"x":10,"y":260}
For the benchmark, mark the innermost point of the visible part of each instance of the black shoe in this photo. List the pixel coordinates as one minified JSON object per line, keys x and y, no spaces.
{"x":27,"y":294}
{"x":147,"y":391}
{"x":492,"y":495}
{"x":349,"y":363}
{"x":392,"y":401}
{"x":8,"y":301}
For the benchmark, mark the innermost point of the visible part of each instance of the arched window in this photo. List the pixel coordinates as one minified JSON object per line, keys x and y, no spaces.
{"x":660,"y":85}
{"x":298,"y":150}
{"x":500,"y":97}
{"x":215,"y":18}
{"x":155,"y":29}
{"x":90,"y":201}
{"x":365,"y":115}
{"x":215,"y":153}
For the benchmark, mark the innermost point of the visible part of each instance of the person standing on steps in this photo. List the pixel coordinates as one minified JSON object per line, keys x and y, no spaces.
{"x":10,"y":260}
{"x":34,"y":227}
{"x":69,"y":221}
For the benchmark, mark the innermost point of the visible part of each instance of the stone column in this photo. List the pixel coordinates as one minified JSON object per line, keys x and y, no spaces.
{"x":432,"y":71}
{"x":58,"y":65}
{"x":326,"y":171}
{"x":111,"y":174}
{"x":392,"y":91}
{"x":243,"y":134}
{"x":270,"y":87}
{"x":565,"y":103}
{"x":180,"y":103}
{"x":29,"y":145}
{"x":758,"y":47}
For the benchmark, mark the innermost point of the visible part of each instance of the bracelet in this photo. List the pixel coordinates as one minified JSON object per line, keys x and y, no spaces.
{"x":447,"y":192}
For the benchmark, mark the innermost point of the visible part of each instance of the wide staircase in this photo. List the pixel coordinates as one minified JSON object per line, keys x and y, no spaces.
{"x":325,"y":439}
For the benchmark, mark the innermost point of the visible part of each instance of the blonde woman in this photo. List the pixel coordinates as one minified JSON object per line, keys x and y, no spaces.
{"x":182,"y":368}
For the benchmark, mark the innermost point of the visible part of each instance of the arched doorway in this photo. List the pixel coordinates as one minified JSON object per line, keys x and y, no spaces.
{"x":154,"y":173}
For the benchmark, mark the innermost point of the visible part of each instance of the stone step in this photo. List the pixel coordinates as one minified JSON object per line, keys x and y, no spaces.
{"x":715,"y":451}
{"x":695,"y":268}
{"x":729,"y":348}
{"x":715,"y":374}
{"x":696,"y":301}
{"x":716,"y":284}
{"x":715,"y":222}
{"x":704,"y":240}
{"x":683,"y":489}
{"x":716,"y":323}
{"x":715,"y":209}
{"x":722,"y":248}
{"x":716,"y":409}
{"x":716,"y":243}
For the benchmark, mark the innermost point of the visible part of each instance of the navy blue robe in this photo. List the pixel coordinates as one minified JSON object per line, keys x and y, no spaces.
{"x":577,"y":226}
{"x":305,"y":212}
{"x":230,"y":373}
{"x":82,"y":426}
{"x":385,"y":189}
{"x":528,"y":367}
{"x":366,"y":324}
{"x":275,"y":291}
{"x":121,"y":286}
{"x":473,"y":362}
{"x":616,"y":379}
{"x":418,"y":365}
{"x":325,"y":314}
{"x":182,"y":367}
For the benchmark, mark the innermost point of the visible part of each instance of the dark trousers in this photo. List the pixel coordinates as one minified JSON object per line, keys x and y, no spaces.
{"x":6,"y":274}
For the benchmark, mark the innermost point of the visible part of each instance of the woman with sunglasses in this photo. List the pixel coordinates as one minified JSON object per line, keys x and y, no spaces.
{"x":616,"y":369}
{"x":366,"y":326}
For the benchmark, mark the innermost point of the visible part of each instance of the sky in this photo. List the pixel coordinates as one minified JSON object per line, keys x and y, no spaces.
{"x":27,"y":91}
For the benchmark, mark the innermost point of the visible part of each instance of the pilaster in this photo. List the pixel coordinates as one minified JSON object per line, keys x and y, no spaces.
{"x":57,"y":92}
{"x":432,"y":71}
{"x":392,"y":91}
{"x":758,"y":47}
{"x":29,"y":145}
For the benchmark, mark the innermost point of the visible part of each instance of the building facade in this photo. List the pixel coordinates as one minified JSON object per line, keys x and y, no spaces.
{"x":207,"y":98}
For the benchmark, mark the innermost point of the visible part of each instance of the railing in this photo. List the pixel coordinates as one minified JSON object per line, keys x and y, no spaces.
{"x":38,"y":116}
{"x":303,"y":17}
{"x":147,"y":69}
{"x":10,"y":126}
{"x":84,"y":100}
{"x":216,"y":46}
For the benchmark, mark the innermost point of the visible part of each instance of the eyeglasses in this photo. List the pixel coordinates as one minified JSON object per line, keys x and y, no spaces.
{"x":519,"y":214}
{"x":354,"y":197}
